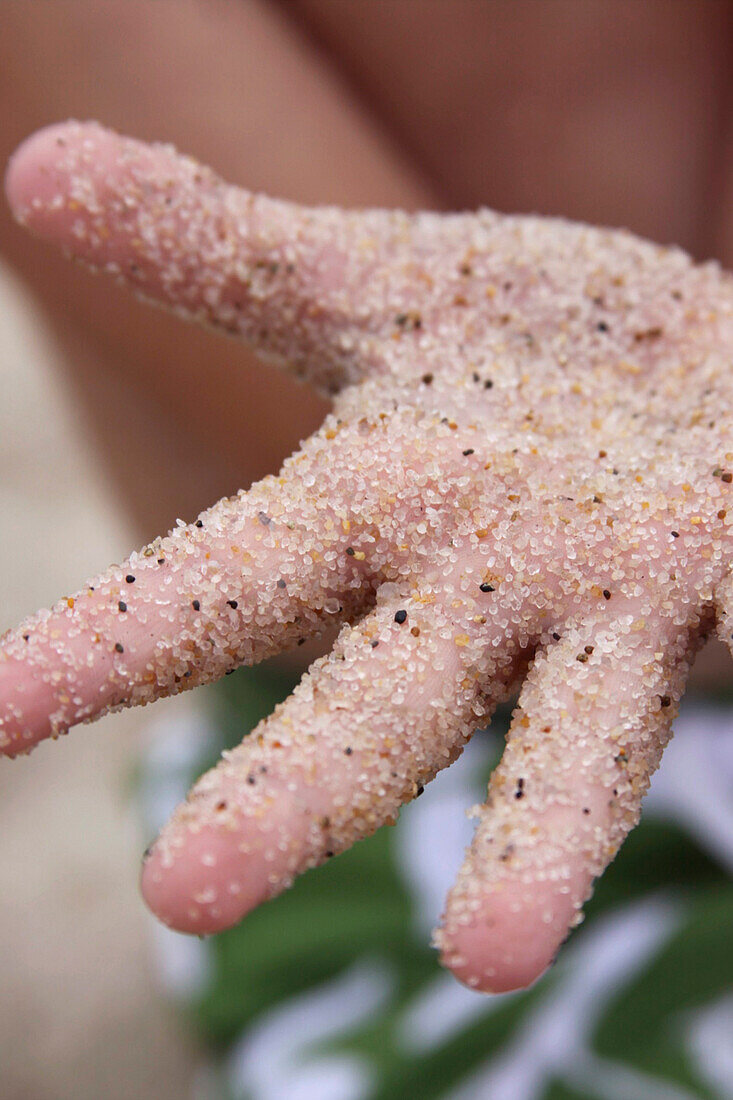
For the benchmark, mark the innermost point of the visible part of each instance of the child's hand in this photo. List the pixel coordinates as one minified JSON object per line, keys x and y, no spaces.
{"x":530,"y":459}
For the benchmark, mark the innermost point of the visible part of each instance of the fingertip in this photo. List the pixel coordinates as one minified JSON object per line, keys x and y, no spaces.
{"x":506,"y":940}
{"x":32,"y":173}
{"x":27,"y":705}
{"x":85,"y":188}
{"x":204,"y":885}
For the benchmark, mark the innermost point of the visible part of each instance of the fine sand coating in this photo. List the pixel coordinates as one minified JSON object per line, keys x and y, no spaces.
{"x":529,"y":465}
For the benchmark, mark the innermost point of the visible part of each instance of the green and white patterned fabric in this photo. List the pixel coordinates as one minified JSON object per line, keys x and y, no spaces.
{"x":331,"y":992}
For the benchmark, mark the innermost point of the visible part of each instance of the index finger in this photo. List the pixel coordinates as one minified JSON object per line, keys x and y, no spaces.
{"x":243,"y":582}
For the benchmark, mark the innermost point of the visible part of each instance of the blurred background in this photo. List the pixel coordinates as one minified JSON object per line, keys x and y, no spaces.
{"x":115,"y":419}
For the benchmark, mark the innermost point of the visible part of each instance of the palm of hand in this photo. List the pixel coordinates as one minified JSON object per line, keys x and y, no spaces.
{"x":528,"y":459}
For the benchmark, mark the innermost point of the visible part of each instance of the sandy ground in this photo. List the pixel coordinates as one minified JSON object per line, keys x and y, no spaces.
{"x":79,"y":1012}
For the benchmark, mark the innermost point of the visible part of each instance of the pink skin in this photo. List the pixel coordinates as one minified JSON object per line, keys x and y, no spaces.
{"x":528,"y":461}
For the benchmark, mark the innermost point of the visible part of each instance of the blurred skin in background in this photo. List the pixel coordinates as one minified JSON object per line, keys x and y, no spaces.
{"x":609,"y":111}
